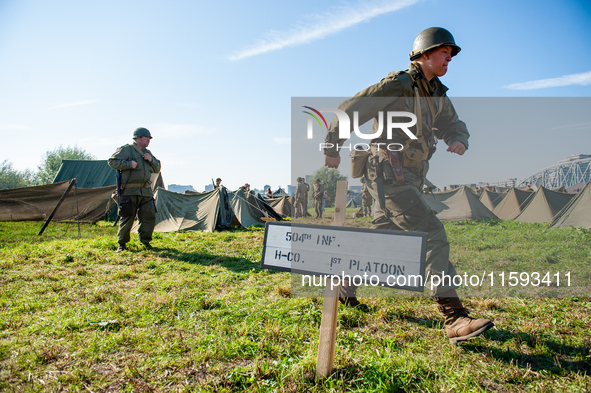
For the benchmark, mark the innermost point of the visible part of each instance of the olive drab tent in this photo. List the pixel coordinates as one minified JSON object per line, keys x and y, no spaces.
{"x":95,"y":173}
{"x":353,"y":203}
{"x":36,"y":203}
{"x":279,"y":193}
{"x":544,"y":205}
{"x":250,"y":210}
{"x":458,"y":204}
{"x":491,"y":199}
{"x":512,"y":204}
{"x":192,"y":211}
{"x":354,"y":199}
{"x":577,"y":213}
{"x":282,"y":205}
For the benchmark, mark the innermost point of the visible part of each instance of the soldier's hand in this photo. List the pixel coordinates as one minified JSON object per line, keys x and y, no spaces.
{"x":133,"y":164}
{"x":148,"y":157}
{"x":332,"y":162}
{"x":457,"y":147}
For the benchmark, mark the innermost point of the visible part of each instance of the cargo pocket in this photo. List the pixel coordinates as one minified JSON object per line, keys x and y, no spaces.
{"x":148,"y":211}
{"x":126,"y":207}
{"x":410,"y":212}
{"x":358,"y":163}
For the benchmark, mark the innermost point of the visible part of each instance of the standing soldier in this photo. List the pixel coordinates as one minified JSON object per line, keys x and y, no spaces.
{"x":318,"y":196}
{"x":306,"y":214}
{"x":136,"y":164}
{"x":366,"y":199}
{"x":395,"y":178}
{"x":300,"y":197}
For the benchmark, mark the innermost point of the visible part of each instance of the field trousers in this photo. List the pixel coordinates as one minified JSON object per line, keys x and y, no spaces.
{"x":410,"y":212}
{"x":318,"y":207}
{"x":141,"y":206}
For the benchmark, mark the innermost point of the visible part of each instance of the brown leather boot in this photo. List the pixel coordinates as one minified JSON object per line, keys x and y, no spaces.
{"x":348,"y":297}
{"x":458,"y":324}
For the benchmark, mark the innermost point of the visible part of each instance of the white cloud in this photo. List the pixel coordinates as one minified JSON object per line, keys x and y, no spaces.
{"x":582,"y":79}
{"x":13,"y":127}
{"x":165,"y":130}
{"x":83,"y":102}
{"x":282,"y":140}
{"x":573,"y":127}
{"x":329,"y":23}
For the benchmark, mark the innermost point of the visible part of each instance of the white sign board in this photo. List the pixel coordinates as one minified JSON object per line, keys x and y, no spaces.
{"x":394,"y":258}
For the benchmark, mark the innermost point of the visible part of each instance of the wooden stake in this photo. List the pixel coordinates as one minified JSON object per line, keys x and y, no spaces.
{"x":328,"y":324}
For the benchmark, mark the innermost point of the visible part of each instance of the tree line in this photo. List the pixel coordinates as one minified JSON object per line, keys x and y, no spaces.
{"x":46,"y":171}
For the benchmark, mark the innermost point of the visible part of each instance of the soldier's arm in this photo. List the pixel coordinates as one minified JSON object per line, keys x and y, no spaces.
{"x":450,"y":128}
{"x":121,"y":160}
{"x":389,"y":87}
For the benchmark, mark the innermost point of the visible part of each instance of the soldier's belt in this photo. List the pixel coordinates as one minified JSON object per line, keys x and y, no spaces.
{"x":139,"y":184}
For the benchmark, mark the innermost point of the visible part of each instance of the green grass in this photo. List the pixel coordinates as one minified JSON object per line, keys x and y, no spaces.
{"x":198,"y":314}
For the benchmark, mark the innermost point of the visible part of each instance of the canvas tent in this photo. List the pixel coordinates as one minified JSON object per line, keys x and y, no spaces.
{"x":249,"y":210}
{"x":513,"y":203}
{"x":354,"y":199}
{"x":353,"y":204}
{"x":192,"y":211}
{"x":36,"y":203}
{"x":282,"y":205}
{"x":491,"y":199}
{"x":544,"y":205}
{"x":577,"y":212}
{"x":458,"y":204}
{"x":95,"y":173}
{"x":279,"y":193}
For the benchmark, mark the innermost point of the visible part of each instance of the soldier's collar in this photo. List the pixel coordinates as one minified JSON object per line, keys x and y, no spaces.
{"x":137,"y":147}
{"x":414,"y":69}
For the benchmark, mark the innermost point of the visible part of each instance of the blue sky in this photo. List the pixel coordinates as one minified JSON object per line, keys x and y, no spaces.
{"x":214,"y":81}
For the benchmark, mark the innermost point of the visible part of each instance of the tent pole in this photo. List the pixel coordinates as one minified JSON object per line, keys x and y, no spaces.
{"x":72,"y":182}
{"x":77,"y":211}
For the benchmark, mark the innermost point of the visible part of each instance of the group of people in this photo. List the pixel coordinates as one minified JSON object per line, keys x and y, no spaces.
{"x":301,"y":198}
{"x":394,"y":179}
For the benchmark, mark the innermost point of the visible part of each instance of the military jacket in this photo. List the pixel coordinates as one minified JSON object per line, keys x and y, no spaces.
{"x":396,"y":92}
{"x":134,"y":181}
{"x":301,"y":191}
{"x":318,"y":191}
{"x":365,"y":192}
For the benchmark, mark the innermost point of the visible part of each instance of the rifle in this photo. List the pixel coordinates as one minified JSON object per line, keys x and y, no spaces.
{"x":118,"y":177}
{"x":212,"y":182}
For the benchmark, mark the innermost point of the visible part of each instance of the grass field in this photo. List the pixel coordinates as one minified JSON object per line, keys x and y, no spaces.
{"x":198,"y":314}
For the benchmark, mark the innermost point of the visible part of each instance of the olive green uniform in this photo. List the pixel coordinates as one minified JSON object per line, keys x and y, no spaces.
{"x":318,"y":196}
{"x":136,"y":196}
{"x":301,"y":200}
{"x":403,"y":200}
{"x":366,"y":201}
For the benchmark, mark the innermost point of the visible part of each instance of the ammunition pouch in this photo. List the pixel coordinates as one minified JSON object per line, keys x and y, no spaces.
{"x":415,"y":153}
{"x":358,"y":163}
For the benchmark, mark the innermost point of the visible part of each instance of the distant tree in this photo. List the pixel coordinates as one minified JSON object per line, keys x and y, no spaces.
{"x":53,"y":159}
{"x":11,"y":178}
{"x":328,"y":177}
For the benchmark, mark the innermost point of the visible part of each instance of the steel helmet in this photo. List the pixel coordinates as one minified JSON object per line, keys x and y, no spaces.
{"x":141,"y":131}
{"x":433,"y":38}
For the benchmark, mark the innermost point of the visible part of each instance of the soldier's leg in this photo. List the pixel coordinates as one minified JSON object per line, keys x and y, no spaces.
{"x":147,"y":219}
{"x":410,"y":212}
{"x":127,"y":212}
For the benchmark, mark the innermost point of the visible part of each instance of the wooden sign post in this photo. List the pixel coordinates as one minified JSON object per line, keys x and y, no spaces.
{"x":330,"y":308}
{"x":329,"y":254}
